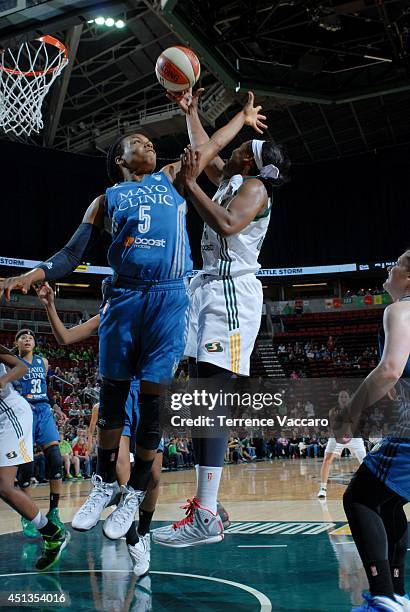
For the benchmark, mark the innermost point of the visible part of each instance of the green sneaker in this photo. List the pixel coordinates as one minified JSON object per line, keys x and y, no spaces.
{"x":54,"y":516}
{"x":79,"y":477}
{"x":53,"y":547}
{"x":69,"y":477}
{"x":28,"y":529}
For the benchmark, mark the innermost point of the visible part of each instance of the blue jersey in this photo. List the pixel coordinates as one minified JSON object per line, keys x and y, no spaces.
{"x":33,"y":385}
{"x":149,"y":236}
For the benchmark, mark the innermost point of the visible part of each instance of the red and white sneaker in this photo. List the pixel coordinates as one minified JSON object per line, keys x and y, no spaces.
{"x":200,"y":526}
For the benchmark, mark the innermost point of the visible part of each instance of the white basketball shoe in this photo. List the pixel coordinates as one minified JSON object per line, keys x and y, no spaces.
{"x":120,"y":520}
{"x":200,"y":526}
{"x":140,"y":555}
{"x":101,"y":496}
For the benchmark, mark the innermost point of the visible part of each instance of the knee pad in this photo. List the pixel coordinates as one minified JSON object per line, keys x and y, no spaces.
{"x":113,"y":397}
{"x":24,"y":474}
{"x":54,"y":462}
{"x":149,"y":430}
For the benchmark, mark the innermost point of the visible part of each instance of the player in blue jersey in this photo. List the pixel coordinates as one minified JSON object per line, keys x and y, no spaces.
{"x":375,"y":498}
{"x":142,"y":325}
{"x":33,"y":387}
{"x":140,"y":550}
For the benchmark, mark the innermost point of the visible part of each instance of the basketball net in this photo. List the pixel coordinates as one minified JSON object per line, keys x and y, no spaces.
{"x":26,"y":75}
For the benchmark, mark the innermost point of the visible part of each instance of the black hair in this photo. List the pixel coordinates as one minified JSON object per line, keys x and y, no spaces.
{"x":21,"y":332}
{"x":273,"y":153}
{"x":116,"y":149}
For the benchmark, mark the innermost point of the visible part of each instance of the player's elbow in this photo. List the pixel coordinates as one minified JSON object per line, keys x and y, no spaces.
{"x":230,"y":227}
{"x":390,"y":371}
{"x":63,"y":340}
{"x":225,"y":230}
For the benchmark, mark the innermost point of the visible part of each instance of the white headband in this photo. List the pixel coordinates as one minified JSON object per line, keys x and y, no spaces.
{"x":269,"y":171}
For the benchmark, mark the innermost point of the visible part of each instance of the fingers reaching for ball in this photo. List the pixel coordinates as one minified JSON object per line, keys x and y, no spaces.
{"x":253,"y":117}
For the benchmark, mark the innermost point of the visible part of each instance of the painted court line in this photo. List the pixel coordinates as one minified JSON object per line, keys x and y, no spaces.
{"x":265,"y":604}
{"x":262,"y":546}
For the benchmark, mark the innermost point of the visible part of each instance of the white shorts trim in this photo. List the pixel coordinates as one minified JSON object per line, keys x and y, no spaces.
{"x":16,"y":431}
{"x":223,"y":321}
{"x":355,"y":445}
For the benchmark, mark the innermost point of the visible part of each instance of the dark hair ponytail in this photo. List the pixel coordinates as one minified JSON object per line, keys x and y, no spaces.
{"x":273,"y":153}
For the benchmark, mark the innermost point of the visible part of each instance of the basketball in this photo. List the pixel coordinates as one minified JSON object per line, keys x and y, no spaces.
{"x":177,"y":68}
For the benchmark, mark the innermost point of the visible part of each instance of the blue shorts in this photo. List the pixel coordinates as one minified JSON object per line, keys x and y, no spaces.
{"x":142,"y":329}
{"x":389,"y":461}
{"x":132,"y":415}
{"x":44,"y":426}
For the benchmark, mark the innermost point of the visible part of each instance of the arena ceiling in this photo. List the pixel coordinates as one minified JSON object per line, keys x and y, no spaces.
{"x":333,"y":76}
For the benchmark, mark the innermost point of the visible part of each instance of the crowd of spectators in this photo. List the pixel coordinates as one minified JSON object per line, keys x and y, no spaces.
{"x":300,"y":353}
{"x":362,"y":292}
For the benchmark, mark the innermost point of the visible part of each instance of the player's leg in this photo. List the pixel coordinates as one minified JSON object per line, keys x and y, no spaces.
{"x":163,"y":320}
{"x":105,"y":489}
{"x":147,"y":441}
{"x":47,"y":436}
{"x":123,"y":469}
{"x":325,"y":469}
{"x":16,"y":430}
{"x":25,"y":473}
{"x":396,"y":525}
{"x":138,"y":540}
{"x":362,"y":502}
{"x":117,"y":366}
{"x":55,"y":538}
{"x":129,"y":429}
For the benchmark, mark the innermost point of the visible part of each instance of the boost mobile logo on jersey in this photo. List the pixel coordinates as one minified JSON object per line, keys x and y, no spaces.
{"x":144,"y":243}
{"x":11,"y":455}
{"x":214,"y":347}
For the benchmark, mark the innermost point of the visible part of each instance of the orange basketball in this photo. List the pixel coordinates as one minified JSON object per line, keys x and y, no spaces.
{"x":177,"y":68}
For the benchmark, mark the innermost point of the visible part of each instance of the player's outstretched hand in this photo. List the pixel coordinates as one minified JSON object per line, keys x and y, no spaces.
{"x":190,"y":170}
{"x":45,"y":294}
{"x":15,"y":283}
{"x":186,"y":100}
{"x":253,"y":118}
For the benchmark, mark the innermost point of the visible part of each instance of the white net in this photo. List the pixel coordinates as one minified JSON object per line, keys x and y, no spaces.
{"x":26,"y":75}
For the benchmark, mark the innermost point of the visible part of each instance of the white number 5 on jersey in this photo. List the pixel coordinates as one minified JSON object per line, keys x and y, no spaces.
{"x":144,"y":221}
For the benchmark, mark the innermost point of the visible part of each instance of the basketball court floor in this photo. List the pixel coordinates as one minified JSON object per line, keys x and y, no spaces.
{"x":285,"y":550}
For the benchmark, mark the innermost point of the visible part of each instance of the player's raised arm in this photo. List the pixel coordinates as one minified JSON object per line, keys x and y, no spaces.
{"x":65,"y":261}
{"x":188,"y":103}
{"x":250,"y":199}
{"x":17,"y":367}
{"x":249,"y":115}
{"x":61,"y":333}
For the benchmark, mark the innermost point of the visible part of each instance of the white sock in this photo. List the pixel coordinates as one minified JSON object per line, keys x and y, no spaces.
{"x":39,"y":521}
{"x":323,"y":485}
{"x":208,"y":485}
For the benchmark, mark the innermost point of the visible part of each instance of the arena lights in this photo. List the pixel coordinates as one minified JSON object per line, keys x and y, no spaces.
{"x":108,"y":21}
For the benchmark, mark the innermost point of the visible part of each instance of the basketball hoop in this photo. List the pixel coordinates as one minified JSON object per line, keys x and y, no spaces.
{"x":26,"y":75}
